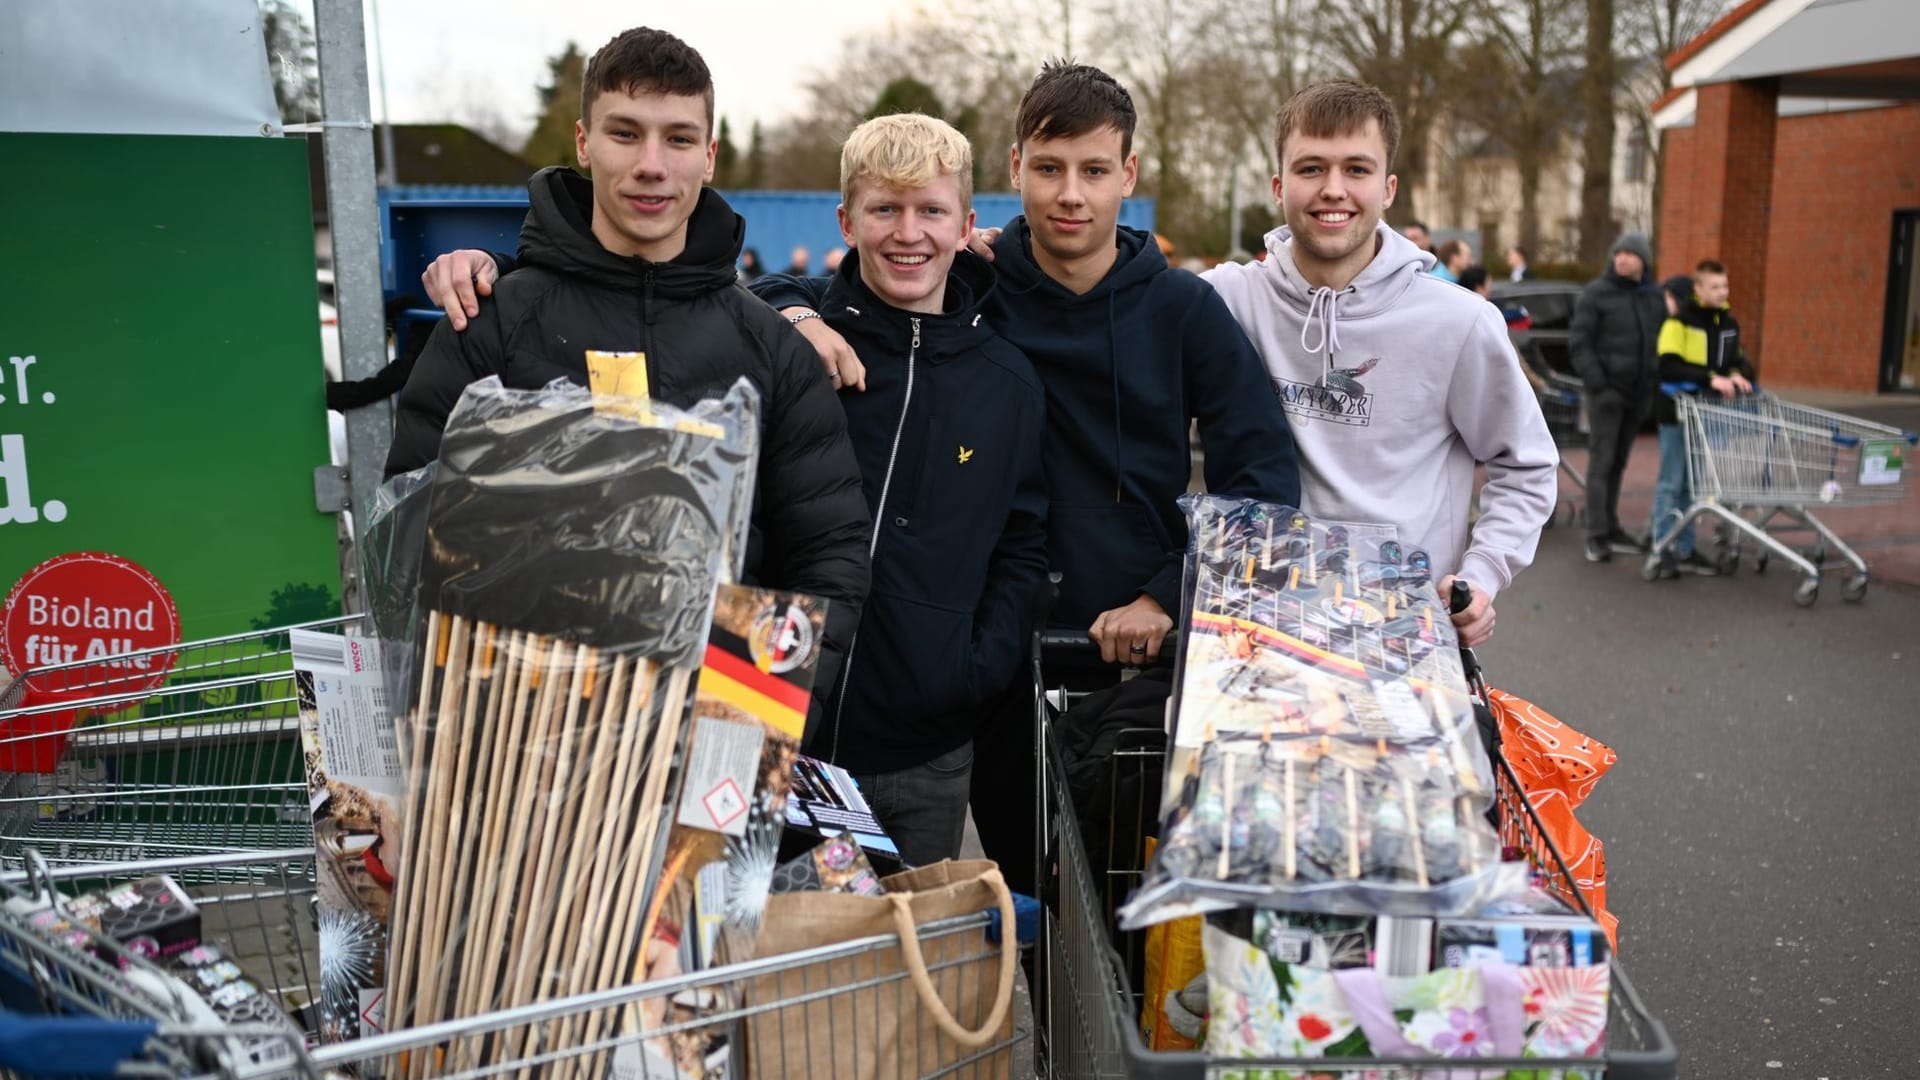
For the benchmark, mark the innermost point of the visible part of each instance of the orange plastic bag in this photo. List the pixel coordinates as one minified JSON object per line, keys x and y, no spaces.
{"x":1557,"y":767}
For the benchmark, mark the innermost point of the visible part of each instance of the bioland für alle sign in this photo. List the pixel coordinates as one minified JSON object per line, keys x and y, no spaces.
{"x":88,"y":605}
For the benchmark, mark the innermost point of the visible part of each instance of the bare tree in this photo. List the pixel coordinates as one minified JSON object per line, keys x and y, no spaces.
{"x":1514,"y":86}
{"x":1596,"y":185}
{"x":1156,"y":47}
{"x":1402,"y":47}
{"x":294,"y":58}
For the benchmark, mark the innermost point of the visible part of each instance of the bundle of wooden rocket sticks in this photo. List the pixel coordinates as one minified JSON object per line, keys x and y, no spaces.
{"x":543,"y":769}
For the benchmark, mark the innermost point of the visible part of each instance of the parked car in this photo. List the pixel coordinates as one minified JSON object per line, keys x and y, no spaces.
{"x":1541,"y":337}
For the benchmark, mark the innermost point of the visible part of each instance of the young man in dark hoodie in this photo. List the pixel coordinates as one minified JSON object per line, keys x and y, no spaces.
{"x":948,"y":435}
{"x":641,"y":258}
{"x":1699,"y":347}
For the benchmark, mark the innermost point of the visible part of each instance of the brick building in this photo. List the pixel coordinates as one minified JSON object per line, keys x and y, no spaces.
{"x":1792,"y":142}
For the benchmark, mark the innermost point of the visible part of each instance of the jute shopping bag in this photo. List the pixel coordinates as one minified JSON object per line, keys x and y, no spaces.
{"x":912,"y":1008}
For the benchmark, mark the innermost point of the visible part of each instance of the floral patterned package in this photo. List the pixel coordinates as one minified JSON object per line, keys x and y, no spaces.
{"x":1264,"y":1006}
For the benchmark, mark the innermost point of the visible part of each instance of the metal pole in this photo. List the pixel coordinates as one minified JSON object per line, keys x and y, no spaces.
{"x":347,"y":142}
{"x":390,"y":173}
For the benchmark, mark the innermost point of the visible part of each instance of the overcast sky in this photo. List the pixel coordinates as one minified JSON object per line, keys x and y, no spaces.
{"x":467,"y":59}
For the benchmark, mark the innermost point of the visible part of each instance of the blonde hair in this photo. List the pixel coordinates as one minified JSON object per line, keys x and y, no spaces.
{"x":906,"y":150}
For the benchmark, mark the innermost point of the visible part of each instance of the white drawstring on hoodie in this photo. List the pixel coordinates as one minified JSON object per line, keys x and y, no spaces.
{"x":1322,"y":304}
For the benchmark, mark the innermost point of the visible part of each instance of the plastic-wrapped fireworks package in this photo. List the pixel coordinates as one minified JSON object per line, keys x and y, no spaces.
{"x":572,"y":550}
{"x":1325,"y":756}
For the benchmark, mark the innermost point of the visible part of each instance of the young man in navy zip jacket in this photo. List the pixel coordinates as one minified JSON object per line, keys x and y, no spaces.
{"x":948,"y":435}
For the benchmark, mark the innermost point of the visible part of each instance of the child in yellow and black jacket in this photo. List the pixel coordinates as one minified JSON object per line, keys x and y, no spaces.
{"x":1699,"y":346}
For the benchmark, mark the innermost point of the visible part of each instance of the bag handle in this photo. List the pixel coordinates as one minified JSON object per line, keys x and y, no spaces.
{"x":1500,"y":984}
{"x":916,"y":965}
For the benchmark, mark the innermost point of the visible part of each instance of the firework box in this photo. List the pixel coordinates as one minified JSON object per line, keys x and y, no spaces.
{"x":234,"y":1000}
{"x":354,"y":789}
{"x":152,"y":918}
{"x":750,"y":711}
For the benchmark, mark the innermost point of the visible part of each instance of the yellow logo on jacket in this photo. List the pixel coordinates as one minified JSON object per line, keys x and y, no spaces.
{"x":966,"y":455}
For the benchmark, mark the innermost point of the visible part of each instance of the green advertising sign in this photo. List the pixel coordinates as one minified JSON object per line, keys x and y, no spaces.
{"x":161,"y":399}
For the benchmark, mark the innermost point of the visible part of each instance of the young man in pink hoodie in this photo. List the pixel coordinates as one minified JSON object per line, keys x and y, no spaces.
{"x":1395,"y":382}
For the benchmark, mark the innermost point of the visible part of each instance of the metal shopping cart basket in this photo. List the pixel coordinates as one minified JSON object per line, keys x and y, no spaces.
{"x":1088,"y":1008}
{"x":1563,"y":405}
{"x":1777,"y":460}
{"x":189,"y":768}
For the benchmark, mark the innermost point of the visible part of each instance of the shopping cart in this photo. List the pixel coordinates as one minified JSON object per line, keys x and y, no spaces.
{"x":1563,"y":404}
{"x":1087,"y":1008}
{"x":223,"y":788}
{"x":1777,"y":460}
{"x":176,"y":751}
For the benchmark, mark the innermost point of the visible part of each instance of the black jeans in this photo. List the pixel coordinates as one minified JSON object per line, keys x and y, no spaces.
{"x":924,"y":807}
{"x":1006,"y":789}
{"x":1615,"y":421}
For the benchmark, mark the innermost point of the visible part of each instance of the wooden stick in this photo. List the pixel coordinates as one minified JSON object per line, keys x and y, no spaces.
{"x":537,"y":906}
{"x":457,"y":744}
{"x":659,"y":765}
{"x":525,"y":816}
{"x":673,"y":720}
{"x":588,"y":798}
{"x":526,"y":655}
{"x":626,"y":708}
{"x":500,"y":749}
{"x":624,"y":868}
{"x":400,"y":940}
{"x":451,"y":658}
{"x":436,"y":681}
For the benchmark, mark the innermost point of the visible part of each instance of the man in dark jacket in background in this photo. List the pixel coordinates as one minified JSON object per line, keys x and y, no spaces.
{"x":948,"y":436}
{"x":1616,"y":322}
{"x":641,"y":258}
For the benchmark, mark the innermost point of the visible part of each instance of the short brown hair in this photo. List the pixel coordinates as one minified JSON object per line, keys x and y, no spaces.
{"x":1709,"y":266}
{"x":1069,"y":99}
{"x":1449,"y":249}
{"x":1336,"y":107}
{"x":647,"y":61}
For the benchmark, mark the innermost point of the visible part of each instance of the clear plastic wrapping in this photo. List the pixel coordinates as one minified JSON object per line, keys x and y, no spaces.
{"x":572,"y":547}
{"x":1325,"y":756}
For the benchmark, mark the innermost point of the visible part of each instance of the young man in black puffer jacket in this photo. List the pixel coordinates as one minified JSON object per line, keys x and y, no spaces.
{"x":948,"y":432}
{"x":641,"y":258}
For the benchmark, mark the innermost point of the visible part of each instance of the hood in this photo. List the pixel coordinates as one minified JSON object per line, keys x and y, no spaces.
{"x":558,"y":235}
{"x":1636,"y":243}
{"x":1140,"y":259}
{"x":1397,"y":264}
{"x":957,"y":329}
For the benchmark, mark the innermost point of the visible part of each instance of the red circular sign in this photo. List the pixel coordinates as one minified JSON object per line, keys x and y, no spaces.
{"x":83,"y":612}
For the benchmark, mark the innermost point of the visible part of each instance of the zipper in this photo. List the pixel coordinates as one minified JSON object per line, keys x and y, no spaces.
{"x":646,"y":331}
{"x":873,"y":542}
